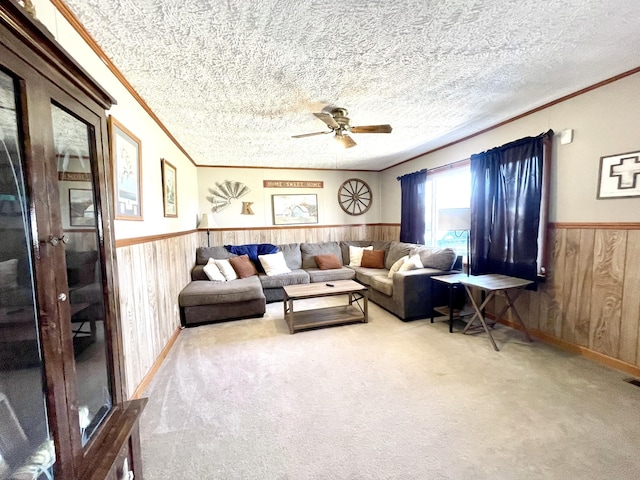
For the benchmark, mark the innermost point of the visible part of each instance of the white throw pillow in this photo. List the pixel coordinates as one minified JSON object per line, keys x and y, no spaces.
{"x":212,"y":271}
{"x":411,"y":263}
{"x":355,"y":255}
{"x":274,"y":264}
{"x":226,"y":269}
{"x":396,"y":266}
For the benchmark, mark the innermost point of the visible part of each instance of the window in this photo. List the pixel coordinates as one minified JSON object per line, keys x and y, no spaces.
{"x":447,"y":188}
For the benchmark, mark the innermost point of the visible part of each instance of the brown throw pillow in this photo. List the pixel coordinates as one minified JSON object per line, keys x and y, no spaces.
{"x":328,"y":261}
{"x":243,"y":266}
{"x":372,"y":259}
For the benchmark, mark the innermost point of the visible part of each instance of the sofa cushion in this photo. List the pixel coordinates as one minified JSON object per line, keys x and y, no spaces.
{"x":364,"y":275}
{"x":396,"y":266}
{"x":355,"y":254}
{"x":274,"y":264}
{"x":372,"y":259}
{"x":292,"y":255}
{"x":212,"y":271}
{"x":203,"y":254}
{"x":294,"y":277}
{"x":209,"y":293}
{"x":396,"y":251}
{"x":227,"y":269}
{"x":377,"y":245}
{"x":439,"y":259}
{"x":243,"y":266}
{"x":343,"y":273}
{"x":253,"y":250}
{"x":328,"y":261}
{"x":383,"y":284}
{"x":310,"y":250}
{"x":411,"y":263}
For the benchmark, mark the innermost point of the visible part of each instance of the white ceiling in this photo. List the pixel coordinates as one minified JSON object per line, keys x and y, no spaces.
{"x":234,"y":80}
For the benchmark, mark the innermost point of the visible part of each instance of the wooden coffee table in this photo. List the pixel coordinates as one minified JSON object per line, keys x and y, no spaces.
{"x":325,"y":316}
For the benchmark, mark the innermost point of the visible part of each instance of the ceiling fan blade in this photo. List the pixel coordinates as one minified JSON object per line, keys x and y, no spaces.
{"x":345,"y":140}
{"x":310,"y":134}
{"x":328,"y":119}
{"x":372,"y":129}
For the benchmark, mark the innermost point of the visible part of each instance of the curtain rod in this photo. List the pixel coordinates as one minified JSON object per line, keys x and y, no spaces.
{"x":449,"y":166}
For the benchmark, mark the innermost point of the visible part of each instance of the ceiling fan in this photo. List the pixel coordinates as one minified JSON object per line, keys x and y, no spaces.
{"x":339,"y":123}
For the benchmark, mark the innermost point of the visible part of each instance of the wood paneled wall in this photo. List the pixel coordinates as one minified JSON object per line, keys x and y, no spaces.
{"x":590,"y":301}
{"x":150,"y":277}
{"x":280,"y":236}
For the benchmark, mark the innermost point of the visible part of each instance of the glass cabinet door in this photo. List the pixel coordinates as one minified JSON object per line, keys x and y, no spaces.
{"x":25,"y":443}
{"x":74,"y":157}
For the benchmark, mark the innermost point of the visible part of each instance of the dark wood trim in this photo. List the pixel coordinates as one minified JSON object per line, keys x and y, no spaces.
{"x":43,"y":44}
{"x":596,"y":225}
{"x":75,"y":23}
{"x":522,"y":115}
{"x":156,"y":366}
{"x":127,"y":242}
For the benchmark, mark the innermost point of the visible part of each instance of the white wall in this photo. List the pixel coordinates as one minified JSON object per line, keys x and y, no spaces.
{"x":155,"y":143}
{"x":605,"y":122}
{"x":329,"y":211}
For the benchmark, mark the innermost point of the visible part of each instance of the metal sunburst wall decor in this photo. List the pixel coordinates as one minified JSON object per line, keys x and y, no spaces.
{"x":224,"y":192}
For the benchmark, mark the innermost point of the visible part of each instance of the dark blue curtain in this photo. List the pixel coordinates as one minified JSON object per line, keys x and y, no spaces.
{"x":506,"y":192}
{"x":413,"y":209}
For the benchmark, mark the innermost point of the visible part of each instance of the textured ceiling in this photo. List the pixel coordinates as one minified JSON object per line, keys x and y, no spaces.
{"x":234,"y":80}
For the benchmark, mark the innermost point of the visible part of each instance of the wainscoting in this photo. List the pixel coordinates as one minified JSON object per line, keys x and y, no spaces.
{"x":590,"y":303}
{"x":151,"y":275}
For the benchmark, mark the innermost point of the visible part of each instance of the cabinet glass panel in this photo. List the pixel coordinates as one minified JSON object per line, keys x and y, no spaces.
{"x":25,"y":444}
{"x":74,"y":157}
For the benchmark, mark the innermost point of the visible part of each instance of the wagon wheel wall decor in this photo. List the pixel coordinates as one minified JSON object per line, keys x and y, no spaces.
{"x":354,"y":196}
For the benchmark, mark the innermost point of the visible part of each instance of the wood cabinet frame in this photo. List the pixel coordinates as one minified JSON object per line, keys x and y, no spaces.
{"x":48,"y":74}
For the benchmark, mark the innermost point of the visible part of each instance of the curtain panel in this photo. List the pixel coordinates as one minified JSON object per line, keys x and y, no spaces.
{"x":506,"y":193}
{"x":413,"y":208}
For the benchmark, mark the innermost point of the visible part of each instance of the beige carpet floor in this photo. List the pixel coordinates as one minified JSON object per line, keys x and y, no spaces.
{"x":383,"y":400}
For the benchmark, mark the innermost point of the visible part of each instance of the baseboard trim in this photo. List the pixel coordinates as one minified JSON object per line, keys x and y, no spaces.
{"x":155,"y":367}
{"x":579,"y":349}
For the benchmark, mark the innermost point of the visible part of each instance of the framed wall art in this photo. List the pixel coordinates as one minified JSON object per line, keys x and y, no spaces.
{"x":126,"y":155}
{"x":294,"y":209}
{"x":81,"y":210}
{"x":619,"y":176}
{"x":169,"y":189}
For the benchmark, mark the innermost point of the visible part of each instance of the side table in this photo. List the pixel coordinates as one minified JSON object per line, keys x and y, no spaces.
{"x":453,"y":282}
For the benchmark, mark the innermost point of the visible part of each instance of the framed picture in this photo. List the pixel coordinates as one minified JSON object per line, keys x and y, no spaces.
{"x":169,"y":189}
{"x":126,"y":155}
{"x":294,"y":209}
{"x":81,"y":210}
{"x":619,"y":176}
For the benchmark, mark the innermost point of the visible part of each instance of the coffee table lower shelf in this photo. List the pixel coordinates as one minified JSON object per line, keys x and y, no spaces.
{"x":323,"y":317}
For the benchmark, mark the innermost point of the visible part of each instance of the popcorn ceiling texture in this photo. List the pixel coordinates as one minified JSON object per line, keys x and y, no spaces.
{"x":233,"y":81}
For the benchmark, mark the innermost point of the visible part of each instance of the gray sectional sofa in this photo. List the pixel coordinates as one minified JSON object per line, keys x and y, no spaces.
{"x":407,"y":294}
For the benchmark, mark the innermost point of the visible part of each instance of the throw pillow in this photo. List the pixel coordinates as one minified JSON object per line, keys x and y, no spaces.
{"x":411,"y":263}
{"x":274,"y":264}
{"x":226,"y":269}
{"x":355,"y":255}
{"x":212,"y":271}
{"x":9,"y":274}
{"x":243,"y":266}
{"x":328,"y":261}
{"x":396,"y":266}
{"x":372,"y":259}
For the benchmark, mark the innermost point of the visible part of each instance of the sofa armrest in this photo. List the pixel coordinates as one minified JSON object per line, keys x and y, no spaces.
{"x":412,"y":291}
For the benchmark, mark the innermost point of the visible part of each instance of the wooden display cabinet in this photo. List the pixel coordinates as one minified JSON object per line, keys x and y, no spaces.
{"x":63,"y":407}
